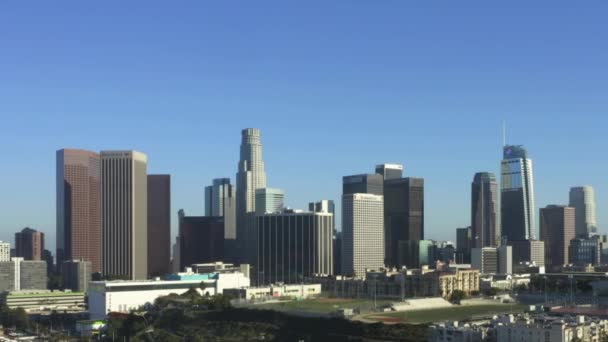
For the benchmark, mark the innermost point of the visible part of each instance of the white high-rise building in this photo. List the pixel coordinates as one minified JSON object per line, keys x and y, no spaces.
{"x":5,"y":251}
{"x":582,"y":198}
{"x":250,"y":176}
{"x":362,"y":233}
{"x":124,"y":203}
{"x":517,"y":195}
{"x":269,"y":200}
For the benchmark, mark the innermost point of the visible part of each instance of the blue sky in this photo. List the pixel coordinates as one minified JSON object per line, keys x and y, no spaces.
{"x":336,"y":87}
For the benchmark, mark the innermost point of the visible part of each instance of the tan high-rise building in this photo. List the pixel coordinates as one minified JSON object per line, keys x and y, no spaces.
{"x":124,"y":202}
{"x":159,"y":224}
{"x":557,"y":228}
{"x":79,"y":207}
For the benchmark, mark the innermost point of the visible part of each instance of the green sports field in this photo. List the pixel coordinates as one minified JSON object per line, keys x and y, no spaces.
{"x":454,"y":313}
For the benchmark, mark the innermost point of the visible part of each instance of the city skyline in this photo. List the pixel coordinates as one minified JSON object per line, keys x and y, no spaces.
{"x":437,"y":86}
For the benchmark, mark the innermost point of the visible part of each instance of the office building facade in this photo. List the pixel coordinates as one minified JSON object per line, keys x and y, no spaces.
{"x":250,"y":176}
{"x":464,"y":241}
{"x":124,"y":198}
{"x":5,"y":251}
{"x":529,"y":251}
{"x":583,"y":252}
{"x":18,"y":274}
{"x":484,"y":210}
{"x":517,"y":195}
{"x":159,"y":224}
{"x":557,"y":228}
{"x":293,"y":245}
{"x":269,"y":201}
{"x":201,"y":239}
{"x":79,"y":227}
{"x":363,"y":184}
{"x":362,"y":233}
{"x":76,"y":275}
{"x":582,"y":199}
{"x":403,"y":214}
{"x":29,"y":244}
{"x":390,"y":171}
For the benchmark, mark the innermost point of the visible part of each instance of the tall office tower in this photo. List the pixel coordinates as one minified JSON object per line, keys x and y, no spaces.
{"x":362,"y":233}
{"x":390,"y":171}
{"x":220,"y":201}
{"x":557,"y":229}
{"x":269,"y":200}
{"x":201,"y":239}
{"x":249,"y":177}
{"x":517,"y":195}
{"x":76,"y":275}
{"x":5,"y":251}
{"x":159,"y":224}
{"x":464,"y":242}
{"x":505,"y":259}
{"x":484,"y":210}
{"x":29,"y":244}
{"x":124,"y":198}
{"x":582,"y":198}
{"x":337,"y":249}
{"x":403,"y":214}
{"x":363,"y":184}
{"x":79,"y":232}
{"x":292,"y":245}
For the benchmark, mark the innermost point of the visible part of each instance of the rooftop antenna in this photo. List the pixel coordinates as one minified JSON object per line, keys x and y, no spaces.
{"x":504,"y":134}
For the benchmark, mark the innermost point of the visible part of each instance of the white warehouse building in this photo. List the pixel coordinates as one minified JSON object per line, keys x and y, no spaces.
{"x":126,"y":295}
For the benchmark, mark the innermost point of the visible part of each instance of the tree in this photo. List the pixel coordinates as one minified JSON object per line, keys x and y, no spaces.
{"x":457,"y":296}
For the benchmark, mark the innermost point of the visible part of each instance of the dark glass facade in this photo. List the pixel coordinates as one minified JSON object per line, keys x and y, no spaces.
{"x":29,"y":244}
{"x":201,"y":239}
{"x":159,"y":224}
{"x":293,"y":246}
{"x":403,"y":215}
{"x":463,"y":245}
{"x":390,"y":171}
{"x":362,"y":184}
{"x":484,"y":210}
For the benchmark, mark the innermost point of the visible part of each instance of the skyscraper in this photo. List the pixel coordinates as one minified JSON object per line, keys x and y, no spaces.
{"x":249,"y":177}
{"x":79,"y":232}
{"x":464,"y":242}
{"x":484,"y":210}
{"x":124,"y":198}
{"x":557,"y":230}
{"x":582,"y":198}
{"x":269,"y":200}
{"x":322,"y":206}
{"x":403,"y":214}
{"x":517,"y":195}
{"x":159,"y":224}
{"x":293,"y":245}
{"x":220,"y":201}
{"x":363,"y":184}
{"x":390,"y":171}
{"x":29,"y":244}
{"x":362,"y":233}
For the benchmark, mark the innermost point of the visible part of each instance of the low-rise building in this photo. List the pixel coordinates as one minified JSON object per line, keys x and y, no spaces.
{"x":124,"y":296}
{"x":401,"y":284}
{"x":456,"y":332}
{"x":554,"y":329}
{"x":41,"y":301}
{"x":301,"y":291}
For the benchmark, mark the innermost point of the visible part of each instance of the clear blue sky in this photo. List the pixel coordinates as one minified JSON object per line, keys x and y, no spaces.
{"x":335,"y":86}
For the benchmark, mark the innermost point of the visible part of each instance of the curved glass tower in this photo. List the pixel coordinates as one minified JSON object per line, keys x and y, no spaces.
{"x":484,"y":210}
{"x":517,"y":195}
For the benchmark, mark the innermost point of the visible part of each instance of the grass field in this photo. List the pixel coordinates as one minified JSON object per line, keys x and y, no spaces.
{"x":455,"y":313}
{"x":323,"y":305}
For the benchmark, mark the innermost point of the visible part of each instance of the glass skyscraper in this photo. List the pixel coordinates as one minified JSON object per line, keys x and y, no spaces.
{"x":484,"y":210}
{"x":517,"y":195}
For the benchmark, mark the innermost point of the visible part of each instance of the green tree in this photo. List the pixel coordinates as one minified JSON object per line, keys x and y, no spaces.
{"x":457,"y":296}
